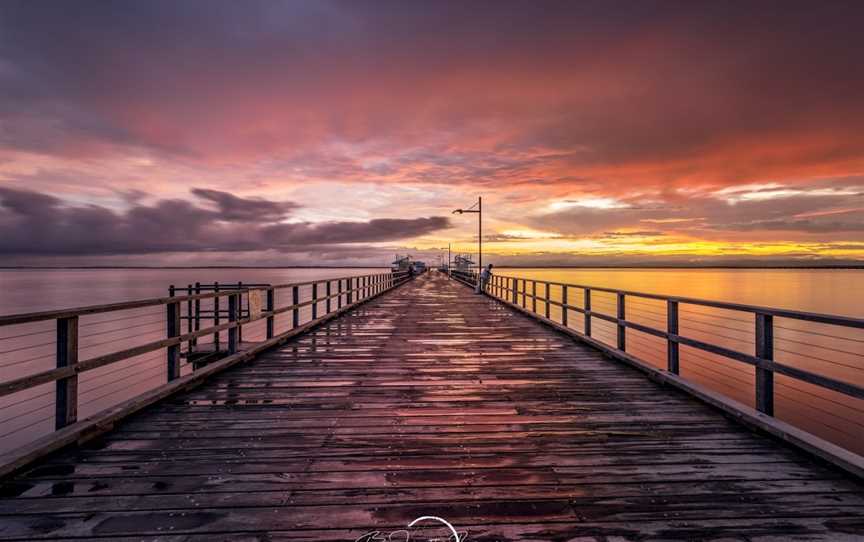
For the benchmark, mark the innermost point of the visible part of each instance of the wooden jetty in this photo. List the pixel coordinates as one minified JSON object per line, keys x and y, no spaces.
{"x":424,"y":400}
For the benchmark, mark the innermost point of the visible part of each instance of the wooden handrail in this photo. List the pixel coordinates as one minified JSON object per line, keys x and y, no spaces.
{"x":762,"y":360}
{"x":832,"y":319}
{"x":71,"y":429}
{"x":506,"y":290}
{"x":361,"y":288}
{"x":23,"y":318}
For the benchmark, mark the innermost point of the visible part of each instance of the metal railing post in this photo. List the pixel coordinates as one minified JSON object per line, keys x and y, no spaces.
{"x":765,"y":350}
{"x":66,"y":404}
{"x":586,"y":304}
{"x":672,"y":354}
{"x":295,"y":313}
{"x":271,"y":320}
{"x":622,"y":329}
{"x":234,"y":332}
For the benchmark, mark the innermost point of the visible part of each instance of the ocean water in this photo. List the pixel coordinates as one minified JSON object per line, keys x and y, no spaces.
{"x":826,"y":350}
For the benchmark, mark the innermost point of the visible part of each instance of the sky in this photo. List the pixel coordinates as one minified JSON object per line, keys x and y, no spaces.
{"x":323,"y":132}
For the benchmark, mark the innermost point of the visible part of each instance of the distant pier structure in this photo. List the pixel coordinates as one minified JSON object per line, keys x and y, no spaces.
{"x":350,"y":407}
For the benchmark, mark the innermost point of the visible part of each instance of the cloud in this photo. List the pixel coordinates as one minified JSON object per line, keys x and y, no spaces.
{"x":822,"y":208}
{"x":232,"y":208}
{"x":39,"y":224}
{"x":642,"y":112}
{"x":510,"y":94}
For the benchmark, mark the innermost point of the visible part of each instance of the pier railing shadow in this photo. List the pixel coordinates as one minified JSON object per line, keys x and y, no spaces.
{"x":68,"y":375}
{"x":794,"y":374}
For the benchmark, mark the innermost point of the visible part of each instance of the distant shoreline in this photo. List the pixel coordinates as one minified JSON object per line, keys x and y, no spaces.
{"x":107,"y":267}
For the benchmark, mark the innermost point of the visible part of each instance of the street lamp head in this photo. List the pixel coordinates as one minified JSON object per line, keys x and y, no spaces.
{"x":457,"y":211}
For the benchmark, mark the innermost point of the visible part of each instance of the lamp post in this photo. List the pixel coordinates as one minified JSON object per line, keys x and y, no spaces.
{"x":479,"y":211}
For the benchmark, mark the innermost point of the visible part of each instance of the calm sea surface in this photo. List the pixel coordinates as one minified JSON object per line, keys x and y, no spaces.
{"x":36,"y":290}
{"x":826,"y":350}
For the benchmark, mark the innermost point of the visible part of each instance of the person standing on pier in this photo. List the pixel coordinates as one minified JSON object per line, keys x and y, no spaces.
{"x":483,"y":281}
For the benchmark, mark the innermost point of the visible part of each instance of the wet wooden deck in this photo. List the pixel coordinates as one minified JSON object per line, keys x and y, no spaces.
{"x":432,"y":401}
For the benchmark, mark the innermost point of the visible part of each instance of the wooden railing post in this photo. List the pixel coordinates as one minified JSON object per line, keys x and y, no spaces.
{"x":328,"y":293}
{"x":172,"y":320}
{"x":295,"y":313}
{"x":189,"y":318}
{"x":765,"y":350}
{"x":548,"y":295}
{"x":622,"y":329}
{"x":234,"y":332}
{"x":534,"y":296}
{"x":349,"y":285}
{"x":564,"y":304}
{"x":66,"y":405}
{"x":339,"y":291}
{"x":239,"y":315}
{"x":314,"y":300}
{"x":216,"y":337}
{"x":197,"y":312}
{"x":672,"y":329}
{"x":515,"y":291}
{"x":586,"y":304}
{"x":271,"y":305}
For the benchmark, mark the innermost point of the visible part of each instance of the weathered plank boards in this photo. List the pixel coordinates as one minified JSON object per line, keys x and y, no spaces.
{"x":431,"y":401}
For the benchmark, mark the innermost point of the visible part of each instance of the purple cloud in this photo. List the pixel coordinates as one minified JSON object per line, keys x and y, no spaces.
{"x":39,"y":224}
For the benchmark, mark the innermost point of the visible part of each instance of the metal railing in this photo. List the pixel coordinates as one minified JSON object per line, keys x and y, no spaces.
{"x":643,"y":323}
{"x":35,"y":356}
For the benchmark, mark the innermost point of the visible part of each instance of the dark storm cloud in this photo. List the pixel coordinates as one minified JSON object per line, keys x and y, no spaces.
{"x":39,"y":224}
{"x":237,"y":209}
{"x":595,"y":83}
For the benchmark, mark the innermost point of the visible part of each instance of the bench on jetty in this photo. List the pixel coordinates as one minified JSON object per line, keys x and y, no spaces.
{"x":402,"y":399}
